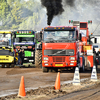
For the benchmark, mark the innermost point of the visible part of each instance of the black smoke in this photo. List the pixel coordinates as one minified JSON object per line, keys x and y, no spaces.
{"x":54,"y":7}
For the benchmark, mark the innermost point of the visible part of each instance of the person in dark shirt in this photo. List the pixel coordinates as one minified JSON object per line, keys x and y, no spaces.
{"x":22,"y":56}
{"x":94,"y":57}
{"x":19,"y":54}
{"x":98,"y":54}
{"x":94,"y":51}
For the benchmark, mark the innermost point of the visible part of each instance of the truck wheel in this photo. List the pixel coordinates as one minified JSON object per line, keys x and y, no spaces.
{"x":12,"y":65}
{"x":2,"y":66}
{"x":38,"y":58}
{"x":73,"y":69}
{"x":44,"y":69}
{"x":7,"y":65}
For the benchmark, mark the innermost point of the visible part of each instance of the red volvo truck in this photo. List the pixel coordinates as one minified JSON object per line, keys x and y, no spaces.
{"x":60,"y":48}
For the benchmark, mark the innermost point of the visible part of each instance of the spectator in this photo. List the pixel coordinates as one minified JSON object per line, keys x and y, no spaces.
{"x":22,"y":56}
{"x":98,"y":54}
{"x":94,"y":57}
{"x":19,"y":60}
{"x":14,"y":53}
{"x":94,"y":51}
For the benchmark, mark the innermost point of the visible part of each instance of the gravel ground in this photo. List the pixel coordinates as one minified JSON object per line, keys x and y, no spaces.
{"x":34,"y":77}
{"x":49,"y":93}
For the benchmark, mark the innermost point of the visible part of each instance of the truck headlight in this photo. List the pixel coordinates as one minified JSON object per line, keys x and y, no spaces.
{"x":72,"y":58}
{"x":32,"y":54}
{"x":45,"y":58}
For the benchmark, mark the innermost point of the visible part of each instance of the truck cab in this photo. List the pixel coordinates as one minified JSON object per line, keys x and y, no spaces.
{"x":25,"y":39}
{"x":6,"y":49}
{"x":60,"y":47}
{"x":87,"y":59}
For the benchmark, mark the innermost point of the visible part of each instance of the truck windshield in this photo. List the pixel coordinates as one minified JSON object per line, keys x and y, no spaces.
{"x":59,"y":36}
{"x":5,"y":39}
{"x":24,"y":39}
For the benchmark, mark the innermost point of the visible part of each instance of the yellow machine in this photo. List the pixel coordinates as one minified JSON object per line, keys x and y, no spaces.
{"x":7,"y":58}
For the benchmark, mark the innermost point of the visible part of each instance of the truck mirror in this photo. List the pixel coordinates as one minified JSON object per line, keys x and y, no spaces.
{"x":80,"y":36}
{"x":95,"y":40}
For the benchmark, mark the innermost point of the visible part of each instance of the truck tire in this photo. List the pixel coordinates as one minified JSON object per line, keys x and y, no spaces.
{"x":45,"y":69}
{"x":2,"y":66}
{"x":7,"y":65}
{"x":12,"y":65}
{"x":38,"y":58}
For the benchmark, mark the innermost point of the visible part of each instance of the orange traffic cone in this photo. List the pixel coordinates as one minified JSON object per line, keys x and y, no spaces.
{"x":22,"y":92}
{"x":57,"y":83}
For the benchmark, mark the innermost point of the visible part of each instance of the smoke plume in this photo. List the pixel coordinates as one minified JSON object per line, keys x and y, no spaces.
{"x":54,"y":7}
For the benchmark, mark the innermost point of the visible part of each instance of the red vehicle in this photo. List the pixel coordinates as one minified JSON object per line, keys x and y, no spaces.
{"x":60,"y":48}
{"x":87,"y":59}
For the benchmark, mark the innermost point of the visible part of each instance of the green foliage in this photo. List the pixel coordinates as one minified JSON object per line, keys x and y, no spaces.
{"x":4,"y":10}
{"x":20,"y":14}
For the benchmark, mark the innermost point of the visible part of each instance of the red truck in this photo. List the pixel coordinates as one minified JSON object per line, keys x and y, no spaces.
{"x":87,"y":58}
{"x":60,"y":48}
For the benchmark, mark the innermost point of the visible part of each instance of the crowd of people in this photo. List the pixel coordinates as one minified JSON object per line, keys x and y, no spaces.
{"x":20,"y":55}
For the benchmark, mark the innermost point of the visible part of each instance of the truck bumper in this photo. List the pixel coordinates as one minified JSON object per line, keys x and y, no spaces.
{"x":6,"y":59}
{"x":63,"y":64}
{"x":29,"y":60}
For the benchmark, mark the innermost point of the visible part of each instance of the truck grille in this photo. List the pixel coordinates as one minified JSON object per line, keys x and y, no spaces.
{"x":4,"y":59}
{"x":58,"y":59}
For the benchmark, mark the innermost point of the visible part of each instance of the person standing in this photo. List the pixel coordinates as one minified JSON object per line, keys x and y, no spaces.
{"x":94,"y":57}
{"x":22,"y":56}
{"x":19,"y":53}
{"x":98,"y":54}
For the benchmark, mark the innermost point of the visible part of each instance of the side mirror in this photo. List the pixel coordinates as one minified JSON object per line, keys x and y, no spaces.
{"x":80,"y":36}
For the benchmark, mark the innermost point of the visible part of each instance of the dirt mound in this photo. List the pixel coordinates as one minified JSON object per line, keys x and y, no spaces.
{"x":49,"y":92}
{"x":21,"y":70}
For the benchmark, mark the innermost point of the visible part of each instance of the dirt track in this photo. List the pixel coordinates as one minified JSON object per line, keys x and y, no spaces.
{"x":34,"y":78}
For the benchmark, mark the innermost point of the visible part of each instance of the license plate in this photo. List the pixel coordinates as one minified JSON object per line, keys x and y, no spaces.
{"x":58,"y":64}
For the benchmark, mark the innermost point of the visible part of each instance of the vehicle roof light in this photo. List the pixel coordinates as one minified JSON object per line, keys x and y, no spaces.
{"x":63,"y":28}
{"x":91,"y":33}
{"x":29,"y":47}
{"x":71,"y":27}
{"x":17,"y":31}
{"x":29,"y":31}
{"x":90,"y":21}
{"x":70,"y":21}
{"x":55,"y":28}
{"x":59,"y":28}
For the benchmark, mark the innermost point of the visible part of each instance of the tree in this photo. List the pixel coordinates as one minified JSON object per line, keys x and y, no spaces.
{"x":4,"y":10}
